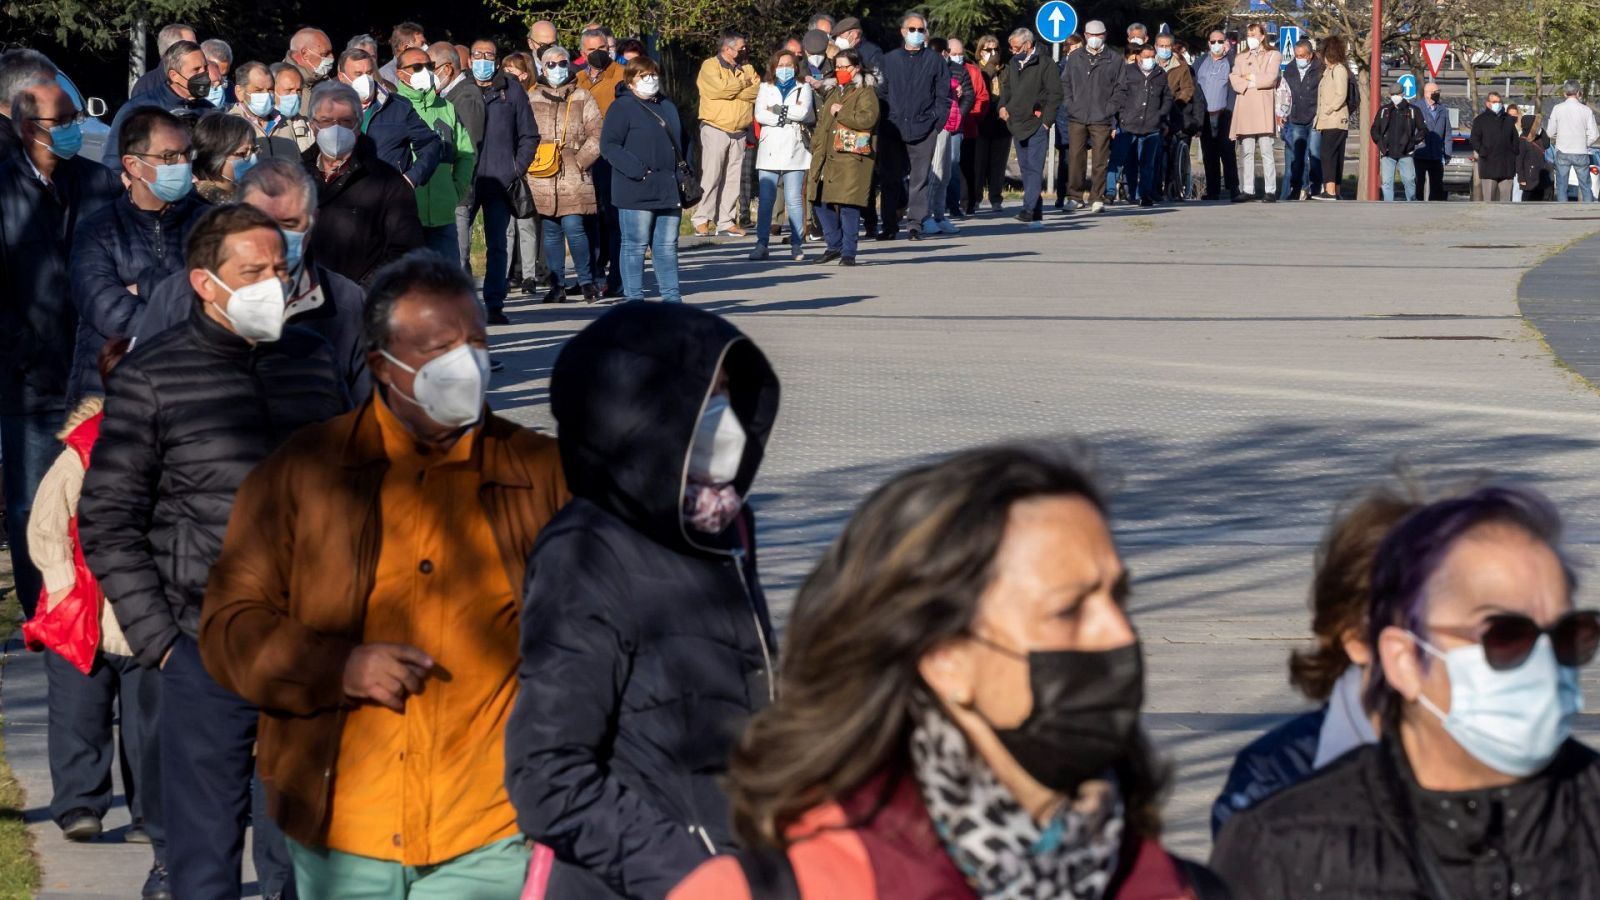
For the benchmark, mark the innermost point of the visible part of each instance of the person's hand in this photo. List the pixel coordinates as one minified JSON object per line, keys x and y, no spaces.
{"x":835,"y":108}
{"x":1005,"y":114}
{"x":385,"y":674}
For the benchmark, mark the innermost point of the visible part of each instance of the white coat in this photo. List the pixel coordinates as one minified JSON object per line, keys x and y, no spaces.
{"x":784,"y":148}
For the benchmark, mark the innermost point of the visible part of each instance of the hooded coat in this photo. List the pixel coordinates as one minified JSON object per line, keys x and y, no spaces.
{"x":645,"y":646}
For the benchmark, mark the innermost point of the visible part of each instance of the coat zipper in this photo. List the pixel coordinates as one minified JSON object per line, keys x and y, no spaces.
{"x":761,"y":633}
{"x":700,"y":832}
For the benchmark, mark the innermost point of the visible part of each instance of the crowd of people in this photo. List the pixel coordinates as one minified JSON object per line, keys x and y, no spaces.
{"x":262,"y":518}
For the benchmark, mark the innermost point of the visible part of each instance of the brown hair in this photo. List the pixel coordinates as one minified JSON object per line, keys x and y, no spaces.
{"x":111,"y":353}
{"x":772,"y":63}
{"x":203,"y":248}
{"x":641,"y":65}
{"x":904,"y":577}
{"x":1341,"y":589}
{"x":1333,"y":52}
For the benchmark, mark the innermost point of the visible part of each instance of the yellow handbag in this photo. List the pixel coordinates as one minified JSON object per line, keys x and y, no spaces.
{"x":547,"y":156}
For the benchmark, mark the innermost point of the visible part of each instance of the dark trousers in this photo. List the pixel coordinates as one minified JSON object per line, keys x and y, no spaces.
{"x":963,"y":192}
{"x":1063,"y":167}
{"x":1142,"y":164}
{"x":1333,"y":141}
{"x":29,"y":446}
{"x":497,"y":252}
{"x":1082,"y":138}
{"x":905,"y":161}
{"x":1430,"y":179}
{"x":1031,"y":153}
{"x":1121,"y":143}
{"x":605,"y":239}
{"x":208,"y":737}
{"x":1222,"y":168}
{"x":82,"y":709}
{"x":841,"y":226}
{"x":989,"y":168}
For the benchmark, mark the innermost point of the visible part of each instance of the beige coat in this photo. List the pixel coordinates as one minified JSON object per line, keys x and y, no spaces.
{"x":50,"y":531}
{"x":1332,"y":94}
{"x":1253,"y":108}
{"x":571,"y":191}
{"x":290,"y":136}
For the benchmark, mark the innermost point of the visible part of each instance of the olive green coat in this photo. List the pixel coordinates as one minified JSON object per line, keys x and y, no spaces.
{"x":836,"y":177}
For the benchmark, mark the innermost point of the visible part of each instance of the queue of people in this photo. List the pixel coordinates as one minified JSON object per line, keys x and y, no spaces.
{"x":258,"y":503}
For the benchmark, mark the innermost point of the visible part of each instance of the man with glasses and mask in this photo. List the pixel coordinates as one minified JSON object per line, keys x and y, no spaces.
{"x":915,"y":93}
{"x":366,"y":210}
{"x":510,"y":139}
{"x":600,"y":78}
{"x":438,"y":199}
{"x":188,"y":414}
{"x":418,"y":509}
{"x":131,"y":244}
{"x":399,"y":135}
{"x":183,"y":93}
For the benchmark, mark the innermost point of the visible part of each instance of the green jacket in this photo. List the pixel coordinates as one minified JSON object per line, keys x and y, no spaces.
{"x":843,"y":177}
{"x":437,"y":200}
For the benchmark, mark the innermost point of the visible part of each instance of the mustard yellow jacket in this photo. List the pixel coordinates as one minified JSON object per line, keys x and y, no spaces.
{"x":727,"y":97}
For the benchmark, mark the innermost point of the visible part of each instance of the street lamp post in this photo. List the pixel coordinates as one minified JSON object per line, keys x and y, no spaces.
{"x":1375,"y":89}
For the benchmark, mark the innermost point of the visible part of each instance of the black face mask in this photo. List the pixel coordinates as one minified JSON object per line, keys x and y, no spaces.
{"x":598,"y":60}
{"x":1434,"y":97}
{"x":1085,"y":714}
{"x":199,"y":84}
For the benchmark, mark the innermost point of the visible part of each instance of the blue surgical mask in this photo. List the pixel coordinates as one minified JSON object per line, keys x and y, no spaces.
{"x":1148,"y":64}
{"x":260,"y":104}
{"x":483,"y":69}
{"x":216,"y":95}
{"x":916,"y":39}
{"x":173,"y":182}
{"x":958,"y":58}
{"x":1497,"y":107}
{"x":557,"y":75}
{"x":1302,"y":64}
{"x":294,"y":248}
{"x":1163,"y":53}
{"x":241,"y":166}
{"x":784,"y":74}
{"x":289,"y":106}
{"x":1512,"y":721}
{"x":66,"y":140}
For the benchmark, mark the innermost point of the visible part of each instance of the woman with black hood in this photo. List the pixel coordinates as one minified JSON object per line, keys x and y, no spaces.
{"x":646,"y":642}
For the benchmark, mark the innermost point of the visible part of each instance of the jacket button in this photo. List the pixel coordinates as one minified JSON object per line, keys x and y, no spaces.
{"x":397,"y":840}
{"x":426,"y":567}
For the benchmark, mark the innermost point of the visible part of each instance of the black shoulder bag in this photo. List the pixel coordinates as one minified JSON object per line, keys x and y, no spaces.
{"x":769,"y":873}
{"x":689,"y":190}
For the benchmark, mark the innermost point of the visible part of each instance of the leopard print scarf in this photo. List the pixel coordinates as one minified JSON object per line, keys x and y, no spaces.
{"x":995,"y":842}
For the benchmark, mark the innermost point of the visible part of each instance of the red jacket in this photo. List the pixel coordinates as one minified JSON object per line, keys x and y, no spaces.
{"x":897,"y":855}
{"x":72,"y":627}
{"x":980,"y":106}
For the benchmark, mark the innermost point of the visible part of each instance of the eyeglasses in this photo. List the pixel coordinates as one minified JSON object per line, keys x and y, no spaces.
{"x":558,"y":64}
{"x":74,"y":119}
{"x":1508,"y":638}
{"x":324,"y":122}
{"x":483,"y":54}
{"x":242,"y":153}
{"x":169,"y":157}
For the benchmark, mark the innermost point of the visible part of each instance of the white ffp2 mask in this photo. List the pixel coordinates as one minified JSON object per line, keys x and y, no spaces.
{"x":256,"y":310}
{"x":451,"y":386}
{"x":718,"y":446}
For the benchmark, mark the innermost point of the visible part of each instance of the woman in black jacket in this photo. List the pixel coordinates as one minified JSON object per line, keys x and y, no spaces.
{"x":646,"y":642}
{"x":1476,"y":788}
{"x":643,"y":140}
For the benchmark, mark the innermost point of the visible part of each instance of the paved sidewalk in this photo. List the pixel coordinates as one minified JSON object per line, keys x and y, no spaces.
{"x":1238,"y":368}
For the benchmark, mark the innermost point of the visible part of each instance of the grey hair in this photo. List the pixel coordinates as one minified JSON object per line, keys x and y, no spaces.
{"x":363,"y":42}
{"x":274,"y":177}
{"x":303,"y":36}
{"x":173,"y":57}
{"x":20,"y":70}
{"x":553,"y":50}
{"x":217,"y":49}
{"x":1138,"y":26}
{"x":1304,"y":44}
{"x":1024,"y":35}
{"x":1572,"y":89}
{"x":590,"y":33}
{"x":333,"y":91}
{"x":728,"y":39}
{"x":171,"y":34}
{"x":442,"y":53}
{"x":25,"y":106}
{"x":912,"y":14}
{"x":241,"y":75}
{"x":423,"y":271}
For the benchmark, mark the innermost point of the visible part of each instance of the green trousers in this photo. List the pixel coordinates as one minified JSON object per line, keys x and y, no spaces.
{"x":493,"y":872}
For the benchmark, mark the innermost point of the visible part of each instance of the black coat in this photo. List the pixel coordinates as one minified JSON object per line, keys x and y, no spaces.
{"x":404,"y":141}
{"x":1088,"y":83}
{"x":641,"y":140}
{"x":510,"y":136}
{"x":1303,"y":92}
{"x":1495,"y":141}
{"x":1353,"y":831}
{"x":38,"y":322}
{"x":1398,"y":130}
{"x":366,"y":217}
{"x":645,"y":646}
{"x":915,"y":92}
{"x":1533,"y":173}
{"x":188,"y":415}
{"x":1034,"y":87}
{"x":118,"y":246}
{"x":330,"y":305}
{"x":1143,"y":101}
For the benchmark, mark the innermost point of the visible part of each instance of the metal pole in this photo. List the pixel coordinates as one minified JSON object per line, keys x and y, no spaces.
{"x":1375,"y":85}
{"x":1050,"y":150}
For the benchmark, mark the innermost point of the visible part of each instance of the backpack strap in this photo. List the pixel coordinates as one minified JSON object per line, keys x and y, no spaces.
{"x":769,"y":873}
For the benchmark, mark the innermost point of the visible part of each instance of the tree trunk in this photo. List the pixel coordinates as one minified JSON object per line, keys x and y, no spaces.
{"x":1471,"y":72}
{"x":1538,"y":70}
{"x":138,"y":39}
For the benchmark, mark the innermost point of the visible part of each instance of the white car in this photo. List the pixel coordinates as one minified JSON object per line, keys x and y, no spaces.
{"x":1593,"y":175}
{"x":95,"y":130}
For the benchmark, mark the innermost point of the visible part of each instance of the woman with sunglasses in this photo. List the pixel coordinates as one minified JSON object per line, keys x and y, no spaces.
{"x":1476,"y":788}
{"x":993,"y":144}
{"x":568,"y":117}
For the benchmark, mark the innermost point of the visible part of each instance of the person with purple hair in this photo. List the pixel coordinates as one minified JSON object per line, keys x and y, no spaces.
{"x":1476,"y":787}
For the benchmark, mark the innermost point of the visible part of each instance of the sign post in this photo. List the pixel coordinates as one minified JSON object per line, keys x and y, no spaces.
{"x":1055,"y":20}
{"x":1288,"y":36}
{"x":1433,"y":52}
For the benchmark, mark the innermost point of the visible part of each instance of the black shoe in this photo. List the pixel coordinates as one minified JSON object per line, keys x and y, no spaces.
{"x":1210,"y":198}
{"x":1269,"y":198}
{"x":1024,"y":217}
{"x":591,"y":292}
{"x":136,"y":834}
{"x":80,"y":825}
{"x":1146,"y":203}
{"x":556,"y":294}
{"x":498,"y":318}
{"x":847,"y":260}
{"x":887,"y":235}
{"x":612,"y":292}
{"x":913,"y":235}
{"x":1243,"y":198}
{"x":530,"y":286}
{"x":828,"y":256}
{"x":1323,"y":195}
{"x":155,"y":885}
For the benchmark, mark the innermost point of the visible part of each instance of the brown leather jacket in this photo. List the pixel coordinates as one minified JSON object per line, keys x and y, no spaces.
{"x":286,"y":600}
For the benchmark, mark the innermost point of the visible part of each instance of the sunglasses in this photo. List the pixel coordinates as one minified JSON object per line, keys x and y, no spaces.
{"x":1508,"y":638}
{"x":915,"y":30}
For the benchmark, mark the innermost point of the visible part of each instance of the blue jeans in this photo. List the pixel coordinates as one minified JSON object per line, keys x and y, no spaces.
{"x":572,"y":229}
{"x":841,"y":227}
{"x":29,"y":446}
{"x":794,"y":203}
{"x":1031,"y":154}
{"x":1565,"y":163}
{"x":1314,"y":153}
{"x":658,"y":229}
{"x":441,"y":239}
{"x":1144,"y":153}
{"x":1296,"y":156}
{"x":1118,"y":159}
{"x":1408,"y":176}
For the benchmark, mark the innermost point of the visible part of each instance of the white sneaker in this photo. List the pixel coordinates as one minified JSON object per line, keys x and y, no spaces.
{"x":1098,"y":207}
{"x":948,"y":227}
{"x":1036,"y":225}
{"x":1071,"y":206}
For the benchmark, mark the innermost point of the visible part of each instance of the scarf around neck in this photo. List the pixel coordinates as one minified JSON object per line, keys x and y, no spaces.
{"x":1003,"y":852}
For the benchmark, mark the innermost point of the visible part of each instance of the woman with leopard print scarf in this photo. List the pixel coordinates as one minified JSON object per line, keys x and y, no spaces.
{"x":958,"y":711}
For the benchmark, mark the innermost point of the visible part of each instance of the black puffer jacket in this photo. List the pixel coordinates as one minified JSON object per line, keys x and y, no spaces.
{"x":366,"y":217}
{"x":1353,"y":831}
{"x":118,"y":246}
{"x":188,"y":415}
{"x":1143,"y":101}
{"x":645,"y":647}
{"x":1088,"y":83}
